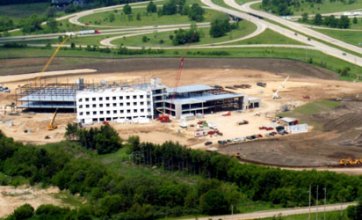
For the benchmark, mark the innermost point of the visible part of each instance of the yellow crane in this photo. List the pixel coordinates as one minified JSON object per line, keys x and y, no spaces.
{"x":66,"y":38}
{"x":51,"y":125}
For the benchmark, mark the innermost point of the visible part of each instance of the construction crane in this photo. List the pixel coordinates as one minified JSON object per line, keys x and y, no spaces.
{"x":163,"y":117}
{"x":51,"y":125}
{"x":66,"y":38}
{"x":282,"y":85}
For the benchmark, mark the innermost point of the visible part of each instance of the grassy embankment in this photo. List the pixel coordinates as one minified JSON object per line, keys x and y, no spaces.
{"x":305,"y":112}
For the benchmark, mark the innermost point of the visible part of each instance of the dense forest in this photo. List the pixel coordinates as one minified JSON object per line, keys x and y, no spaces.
{"x":220,"y":182}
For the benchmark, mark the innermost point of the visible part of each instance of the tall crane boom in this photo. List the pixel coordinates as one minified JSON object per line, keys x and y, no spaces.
{"x":178,"y":76}
{"x":52,"y":58}
{"x":282,"y":85}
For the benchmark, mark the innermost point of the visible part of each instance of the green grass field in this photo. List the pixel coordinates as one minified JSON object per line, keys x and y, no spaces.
{"x":352,"y":37}
{"x":270,"y":37}
{"x":146,"y":19}
{"x":20,"y":11}
{"x":328,"y":216}
{"x":244,"y":29}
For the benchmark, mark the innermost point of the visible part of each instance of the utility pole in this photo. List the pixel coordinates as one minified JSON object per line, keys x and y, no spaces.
{"x":325,"y":203}
{"x":310,"y":200}
{"x":316,"y":214}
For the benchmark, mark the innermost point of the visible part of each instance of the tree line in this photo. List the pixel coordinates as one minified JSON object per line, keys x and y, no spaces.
{"x":220,"y":182}
{"x":273,"y":185}
{"x":332,"y":21}
{"x":287,"y":7}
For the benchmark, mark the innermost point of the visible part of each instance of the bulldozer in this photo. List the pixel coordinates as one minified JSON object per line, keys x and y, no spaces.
{"x":51,"y":125}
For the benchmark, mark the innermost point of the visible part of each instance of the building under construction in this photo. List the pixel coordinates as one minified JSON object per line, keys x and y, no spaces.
{"x":131,"y":102}
{"x":49,"y":97}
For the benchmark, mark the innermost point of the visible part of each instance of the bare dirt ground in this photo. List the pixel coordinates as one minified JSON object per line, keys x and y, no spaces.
{"x":11,"y":198}
{"x":299,"y":150}
{"x":340,"y":136}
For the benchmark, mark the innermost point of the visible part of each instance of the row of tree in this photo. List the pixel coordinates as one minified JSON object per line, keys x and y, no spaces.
{"x":273,"y":185}
{"x":182,"y":36}
{"x":286,"y":7}
{"x":331,"y":21}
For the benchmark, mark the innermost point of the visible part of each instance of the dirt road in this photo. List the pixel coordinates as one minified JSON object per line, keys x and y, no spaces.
{"x":282,"y":212}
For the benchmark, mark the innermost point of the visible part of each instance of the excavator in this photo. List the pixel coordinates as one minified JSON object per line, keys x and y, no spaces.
{"x":51,"y":125}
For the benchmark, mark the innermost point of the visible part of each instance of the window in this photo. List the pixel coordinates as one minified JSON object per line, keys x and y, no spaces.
{"x":114,"y":104}
{"x":148,"y":96}
{"x":107,"y":105}
{"x":121,"y":97}
{"x":101,"y":112}
{"x":114,"y":111}
{"x":94,"y":106}
{"x":134,"y":103}
{"x":87,"y":99}
{"x":81,"y":106}
{"x":87,"y":113}
{"x":108,"y":112}
{"x":94,"y":113}
{"x":141,"y":96}
{"x":121,"y":104}
{"x":128,"y":103}
{"x":128,"y":111}
{"x":80,"y":100}
{"x":107,"y":98}
{"x":121,"y":111}
{"x":101,"y":105}
{"x":93,"y":99}
{"x":135,"y":110}
{"x":142,"y":110}
{"x":87,"y":106}
{"x":148,"y":103}
{"x":80,"y":113}
{"x":100,"y":98}
{"x":127,"y":97}
{"x":142,"y":103}
{"x":114,"y":97}
{"x":134,"y":97}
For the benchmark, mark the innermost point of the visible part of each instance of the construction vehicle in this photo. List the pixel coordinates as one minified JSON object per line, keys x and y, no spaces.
{"x":276,"y":93}
{"x":261,"y":84}
{"x":51,"y":125}
{"x":12,"y":109}
{"x":163,"y":117}
{"x":227,"y":114}
{"x":350,"y":162}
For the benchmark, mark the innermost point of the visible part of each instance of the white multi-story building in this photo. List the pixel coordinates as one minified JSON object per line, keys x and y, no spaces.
{"x":114,"y":104}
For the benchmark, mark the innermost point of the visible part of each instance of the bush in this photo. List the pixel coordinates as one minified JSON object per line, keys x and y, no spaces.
{"x":23,"y":212}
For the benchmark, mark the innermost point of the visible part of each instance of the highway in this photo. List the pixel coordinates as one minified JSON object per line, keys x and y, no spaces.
{"x":291,"y":33}
{"x":282,"y":212}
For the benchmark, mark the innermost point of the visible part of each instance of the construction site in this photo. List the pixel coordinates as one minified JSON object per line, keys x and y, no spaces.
{"x":224,"y":107}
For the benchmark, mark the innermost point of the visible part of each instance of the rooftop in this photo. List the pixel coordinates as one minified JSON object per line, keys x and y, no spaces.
{"x":205,"y":98}
{"x":190,"y":88}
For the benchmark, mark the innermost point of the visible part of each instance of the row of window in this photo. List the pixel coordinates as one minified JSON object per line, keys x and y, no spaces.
{"x":112,"y":98}
{"x":115,"y":112}
{"x":113,"y":104}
